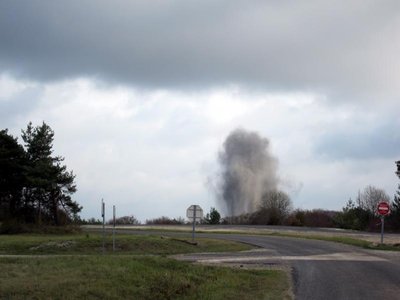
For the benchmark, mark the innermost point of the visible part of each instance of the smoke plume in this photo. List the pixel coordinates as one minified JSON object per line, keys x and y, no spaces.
{"x":248,"y":171}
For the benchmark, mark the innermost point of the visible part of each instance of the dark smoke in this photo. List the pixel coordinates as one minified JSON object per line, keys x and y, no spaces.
{"x":248,"y":171}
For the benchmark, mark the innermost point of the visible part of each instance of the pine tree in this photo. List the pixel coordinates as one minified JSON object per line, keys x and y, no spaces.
{"x":12,"y":179}
{"x":50,"y":185}
{"x":394,"y":218}
{"x":396,"y":199}
{"x":213,"y":217}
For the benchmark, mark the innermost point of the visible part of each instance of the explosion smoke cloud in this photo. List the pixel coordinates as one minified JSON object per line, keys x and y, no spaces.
{"x":248,"y":171}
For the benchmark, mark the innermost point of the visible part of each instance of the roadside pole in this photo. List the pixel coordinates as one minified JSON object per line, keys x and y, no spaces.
{"x":194,"y":213}
{"x":113,"y":228}
{"x":383,"y":209}
{"x":194,"y":223}
{"x":104,"y":222}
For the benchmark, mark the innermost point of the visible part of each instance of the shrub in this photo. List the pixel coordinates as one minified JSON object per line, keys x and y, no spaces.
{"x":125,"y":220}
{"x":213,"y":217}
{"x":13,"y":226}
{"x":165,"y":221}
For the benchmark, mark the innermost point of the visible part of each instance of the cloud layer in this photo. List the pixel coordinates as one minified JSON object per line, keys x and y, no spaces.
{"x":142,"y":94}
{"x":343,"y":48}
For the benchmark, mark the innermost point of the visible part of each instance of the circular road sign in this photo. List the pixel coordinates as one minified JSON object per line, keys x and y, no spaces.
{"x":383,"y":208}
{"x":194,"y":212}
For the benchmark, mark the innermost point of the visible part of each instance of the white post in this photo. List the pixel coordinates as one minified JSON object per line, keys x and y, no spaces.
{"x":382,"y":227}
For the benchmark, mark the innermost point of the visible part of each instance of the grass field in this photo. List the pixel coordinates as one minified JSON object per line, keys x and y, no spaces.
{"x":125,"y":244}
{"x":72,"y":267}
{"x":119,"y":277}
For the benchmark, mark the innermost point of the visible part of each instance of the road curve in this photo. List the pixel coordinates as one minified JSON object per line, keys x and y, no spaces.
{"x":328,"y":270}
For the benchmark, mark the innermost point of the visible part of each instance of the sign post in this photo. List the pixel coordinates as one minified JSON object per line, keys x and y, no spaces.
{"x":194,"y":213}
{"x":104,"y":222}
{"x":113,"y":228}
{"x":383,"y":210}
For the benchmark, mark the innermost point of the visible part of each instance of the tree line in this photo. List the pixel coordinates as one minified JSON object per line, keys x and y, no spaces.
{"x":276,"y":209}
{"x":359,"y":214}
{"x":35,"y":185}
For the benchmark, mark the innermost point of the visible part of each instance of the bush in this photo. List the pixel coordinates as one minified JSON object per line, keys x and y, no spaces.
{"x":13,"y":226}
{"x":355,"y":218}
{"x":312,"y":218}
{"x":125,"y":220}
{"x":165,"y":221}
{"x":243,"y":219}
{"x":213,"y":217}
{"x":90,"y":221}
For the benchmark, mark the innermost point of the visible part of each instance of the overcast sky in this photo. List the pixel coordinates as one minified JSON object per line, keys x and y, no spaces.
{"x":142,"y":94}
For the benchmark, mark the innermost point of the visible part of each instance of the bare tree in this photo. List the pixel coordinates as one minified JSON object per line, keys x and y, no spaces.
{"x":369,"y":198}
{"x":274,"y":208}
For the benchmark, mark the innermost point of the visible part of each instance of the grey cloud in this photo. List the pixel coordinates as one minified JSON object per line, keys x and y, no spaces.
{"x":18,"y":106}
{"x":371,"y":142}
{"x":337,"y":47}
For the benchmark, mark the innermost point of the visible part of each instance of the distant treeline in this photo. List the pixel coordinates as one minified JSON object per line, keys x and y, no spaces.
{"x":275,"y":209}
{"x":358,"y":215}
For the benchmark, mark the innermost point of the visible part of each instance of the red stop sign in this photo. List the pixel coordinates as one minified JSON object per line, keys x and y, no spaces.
{"x":383,"y":208}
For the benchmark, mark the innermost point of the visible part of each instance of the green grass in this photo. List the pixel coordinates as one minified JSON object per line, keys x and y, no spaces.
{"x":137,"y":270}
{"x":125,"y":244}
{"x":342,"y":239}
{"x":124,"y":277}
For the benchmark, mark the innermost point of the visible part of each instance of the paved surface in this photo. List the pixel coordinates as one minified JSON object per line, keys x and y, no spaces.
{"x":319,"y":269}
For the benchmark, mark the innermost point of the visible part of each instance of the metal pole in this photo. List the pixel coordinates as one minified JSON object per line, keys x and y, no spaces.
{"x":194,"y":222}
{"x":382,"y":227}
{"x":104,"y":221}
{"x":113,"y":227}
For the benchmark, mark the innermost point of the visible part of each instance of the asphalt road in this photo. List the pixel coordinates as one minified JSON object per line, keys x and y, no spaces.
{"x":320,"y":269}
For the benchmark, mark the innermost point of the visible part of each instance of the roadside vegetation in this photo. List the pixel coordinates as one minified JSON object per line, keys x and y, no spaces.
{"x":121,"y":277}
{"x":72,"y":266}
{"x":90,"y":243}
{"x":342,"y":239}
{"x":35,"y":188}
{"x":359,"y":214}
